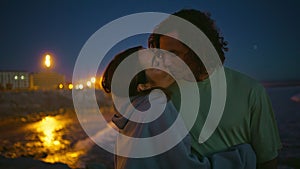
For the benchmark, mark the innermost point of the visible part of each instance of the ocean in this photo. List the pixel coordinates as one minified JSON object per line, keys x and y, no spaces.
{"x":287,"y":113}
{"x":29,"y":134}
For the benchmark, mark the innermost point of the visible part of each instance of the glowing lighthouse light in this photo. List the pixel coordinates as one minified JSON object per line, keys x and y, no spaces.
{"x":48,"y":61}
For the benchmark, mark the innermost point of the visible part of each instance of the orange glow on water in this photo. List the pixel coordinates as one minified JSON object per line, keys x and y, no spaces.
{"x":48,"y":126}
{"x":50,"y":133}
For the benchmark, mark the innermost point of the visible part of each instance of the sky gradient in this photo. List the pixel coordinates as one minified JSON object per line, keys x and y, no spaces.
{"x":263,"y":37}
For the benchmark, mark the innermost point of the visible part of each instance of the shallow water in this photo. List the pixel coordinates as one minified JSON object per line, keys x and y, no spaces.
{"x":52,"y":136}
{"x":48,"y":137}
{"x":288,"y":118}
{"x":51,"y":139}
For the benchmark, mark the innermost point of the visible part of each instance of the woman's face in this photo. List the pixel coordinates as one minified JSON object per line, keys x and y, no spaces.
{"x":156,"y":77}
{"x":159,"y":78}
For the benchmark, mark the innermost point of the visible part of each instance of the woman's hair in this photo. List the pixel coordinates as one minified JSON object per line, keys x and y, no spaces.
{"x":108,"y":74}
{"x":140,"y":78}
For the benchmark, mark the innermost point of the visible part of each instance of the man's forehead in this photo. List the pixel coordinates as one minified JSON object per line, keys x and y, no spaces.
{"x":173,"y":34}
{"x":170,"y":36}
{"x":170,"y":40}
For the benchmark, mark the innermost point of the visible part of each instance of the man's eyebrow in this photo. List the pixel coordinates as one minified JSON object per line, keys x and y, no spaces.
{"x":169,"y":50}
{"x":174,"y":51}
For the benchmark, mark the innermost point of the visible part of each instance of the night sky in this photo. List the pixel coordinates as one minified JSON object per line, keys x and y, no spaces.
{"x":263,"y":37}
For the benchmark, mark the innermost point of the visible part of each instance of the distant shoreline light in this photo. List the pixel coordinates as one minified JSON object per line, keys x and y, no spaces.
{"x":48,"y":61}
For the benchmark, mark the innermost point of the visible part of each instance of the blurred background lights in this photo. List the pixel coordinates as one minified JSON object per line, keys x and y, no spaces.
{"x":93,"y":79}
{"x":80,"y":86}
{"x":88,"y":83}
{"x":61,"y":86}
{"x":70,"y":86}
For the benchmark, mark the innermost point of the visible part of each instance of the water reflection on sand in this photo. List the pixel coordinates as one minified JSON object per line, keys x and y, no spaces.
{"x":52,"y":137}
{"x":51,"y":140}
{"x":46,"y":136}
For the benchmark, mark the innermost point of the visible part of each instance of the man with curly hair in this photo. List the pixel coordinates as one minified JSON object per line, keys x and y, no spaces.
{"x":248,"y":116}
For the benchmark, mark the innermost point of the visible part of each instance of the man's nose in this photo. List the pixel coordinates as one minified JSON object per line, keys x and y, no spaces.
{"x":157,"y":62}
{"x":167,"y":61}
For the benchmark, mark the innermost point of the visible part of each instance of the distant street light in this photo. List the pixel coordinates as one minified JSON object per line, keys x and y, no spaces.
{"x":93,"y":79}
{"x":89,"y":83}
{"x":70,"y":86}
{"x":61,"y":86}
{"x":80,"y":86}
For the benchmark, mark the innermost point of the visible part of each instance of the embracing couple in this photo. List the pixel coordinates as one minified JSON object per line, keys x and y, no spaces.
{"x":246,"y":135}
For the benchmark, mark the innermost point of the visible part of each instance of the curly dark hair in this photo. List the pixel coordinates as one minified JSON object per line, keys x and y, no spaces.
{"x":108,"y":74}
{"x":201,"y":20}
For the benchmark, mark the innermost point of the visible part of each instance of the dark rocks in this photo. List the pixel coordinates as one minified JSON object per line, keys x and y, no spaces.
{"x":28,"y":163}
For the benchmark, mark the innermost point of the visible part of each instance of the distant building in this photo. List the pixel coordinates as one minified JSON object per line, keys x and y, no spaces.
{"x":46,"y":80}
{"x":10,"y":80}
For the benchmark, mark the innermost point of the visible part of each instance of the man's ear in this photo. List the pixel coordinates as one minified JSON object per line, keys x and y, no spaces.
{"x":142,"y":87}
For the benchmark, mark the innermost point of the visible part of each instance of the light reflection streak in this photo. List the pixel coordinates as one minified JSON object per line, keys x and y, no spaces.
{"x":50,"y":133}
{"x":48,"y":126}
